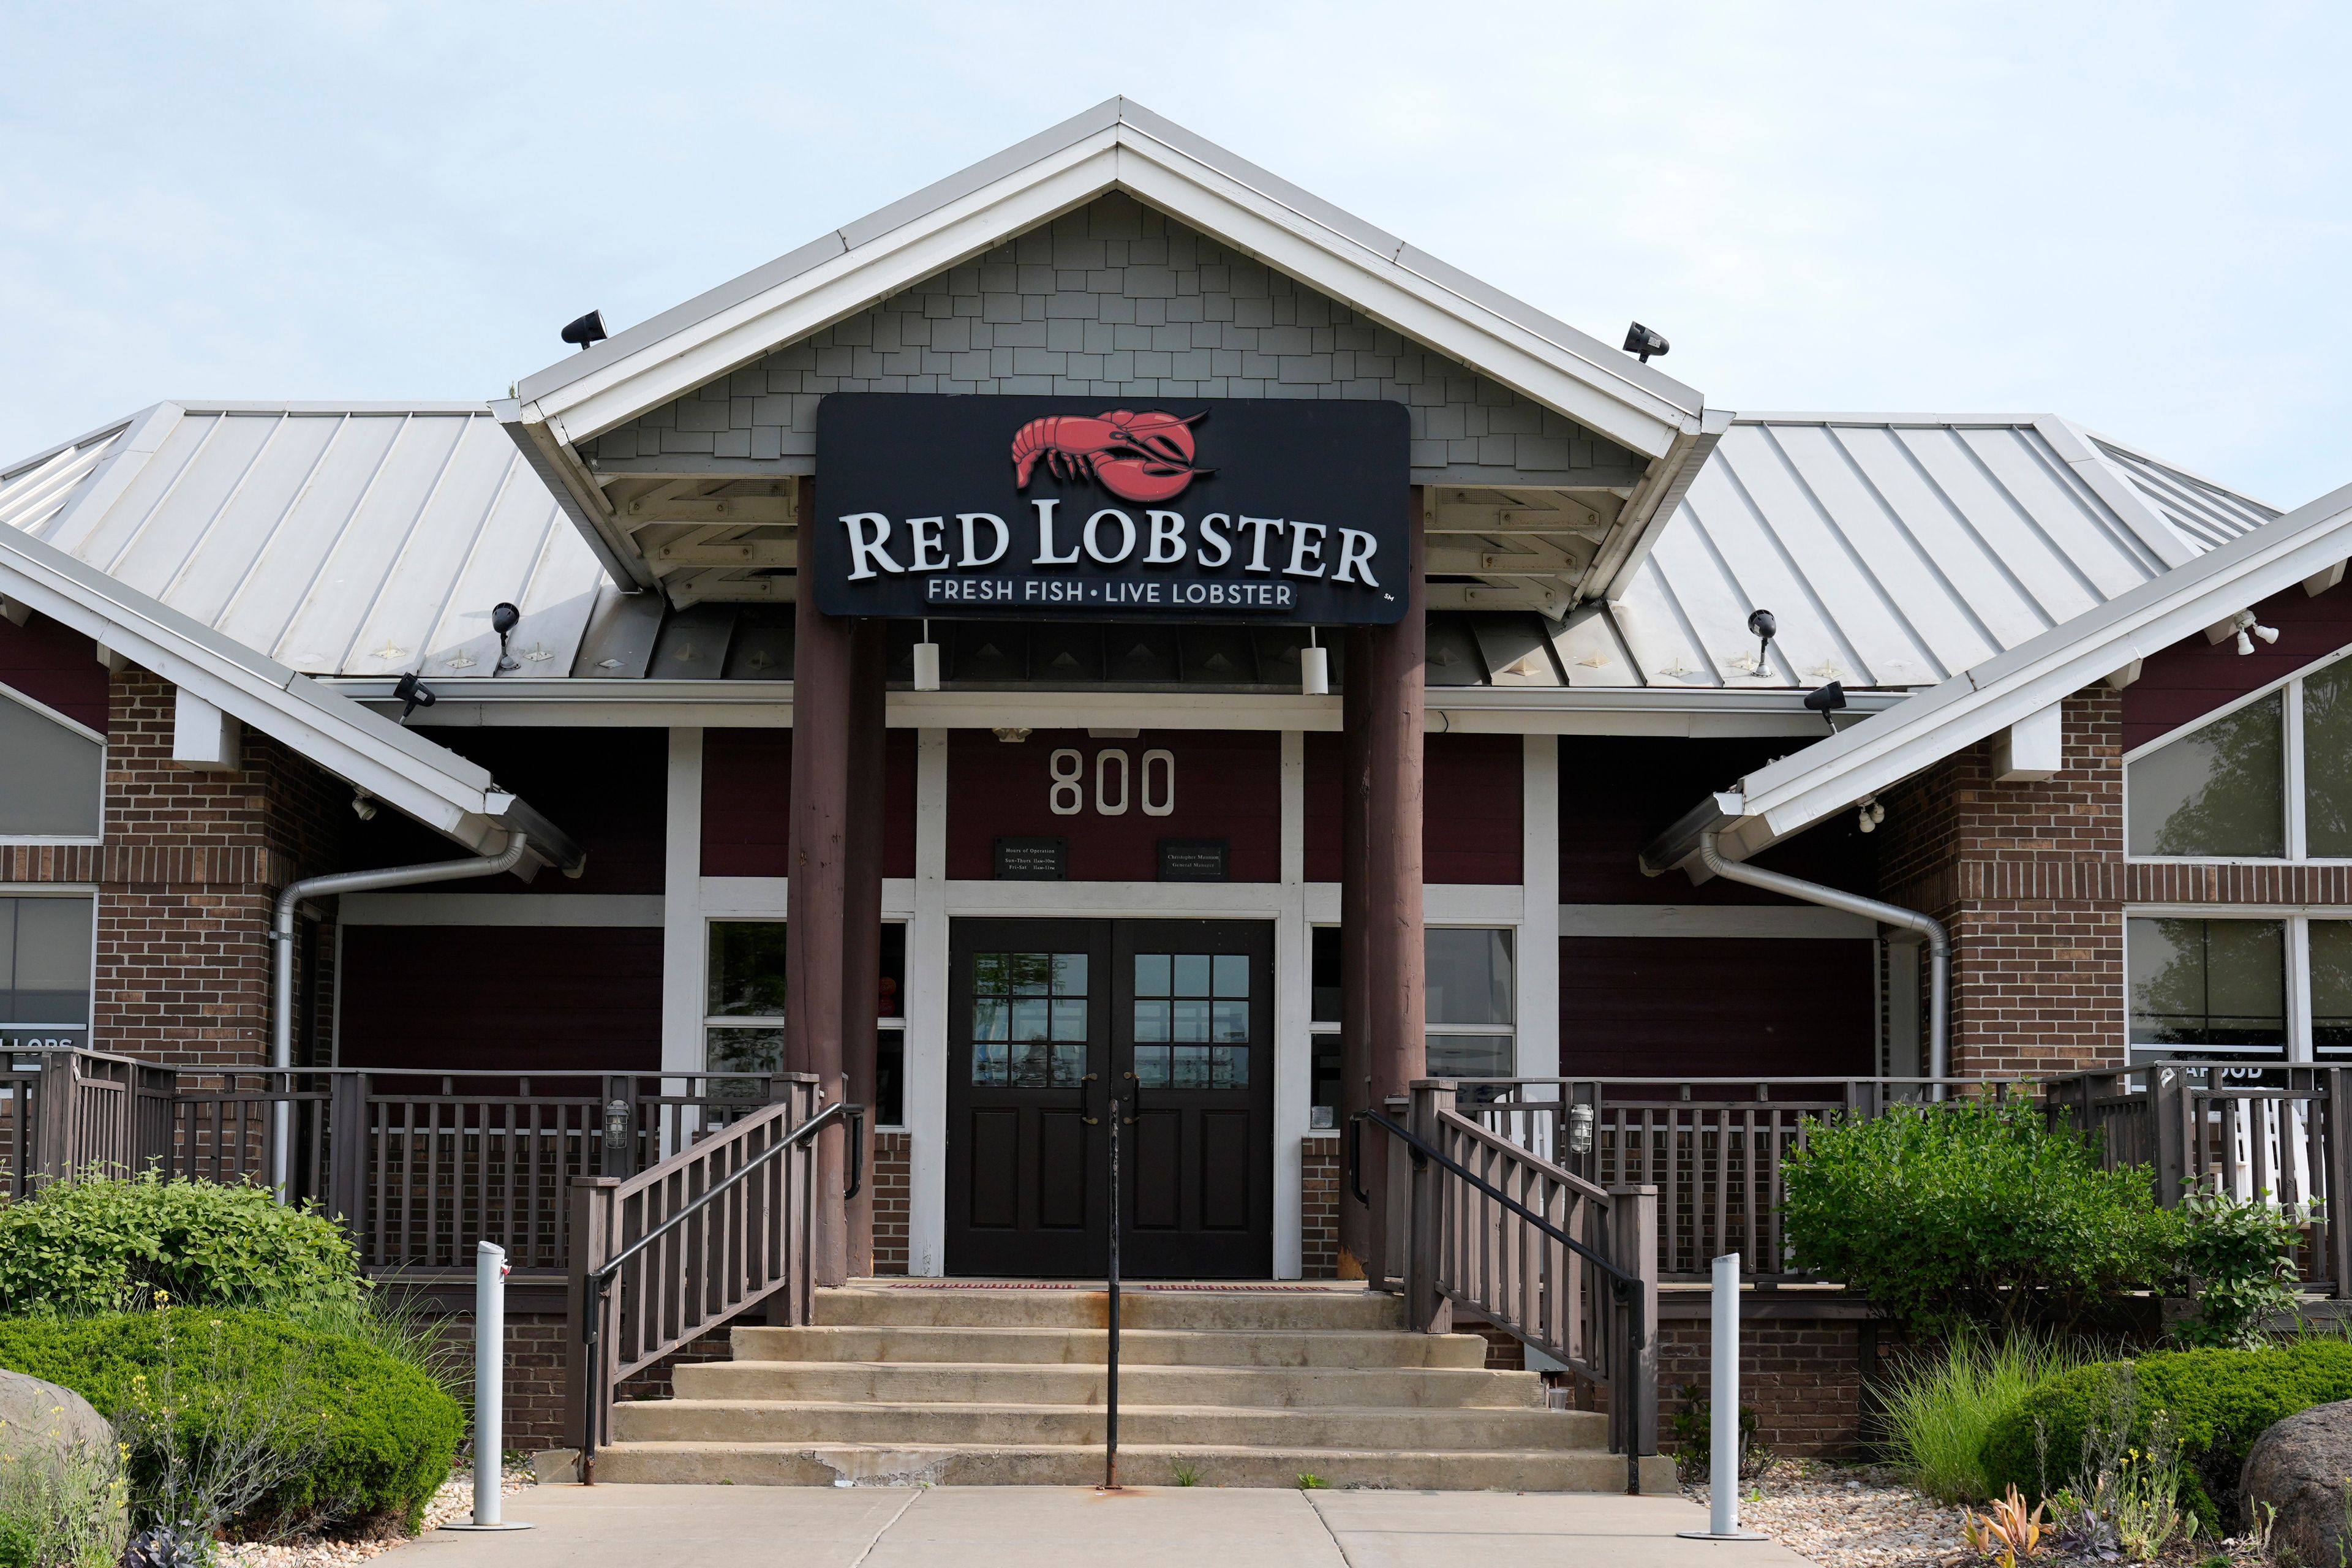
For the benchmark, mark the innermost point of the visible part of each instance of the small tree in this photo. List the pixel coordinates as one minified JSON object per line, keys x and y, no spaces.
{"x":1972,"y":1213}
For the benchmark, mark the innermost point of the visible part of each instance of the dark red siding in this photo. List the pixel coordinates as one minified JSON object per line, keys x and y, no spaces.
{"x":1228,"y":785}
{"x":747,"y":797}
{"x":1618,"y":791}
{"x":1473,"y":809}
{"x":607,"y":788}
{"x":501,"y":998}
{"x":1708,"y":1007}
{"x":2193,"y":676}
{"x":53,"y":665}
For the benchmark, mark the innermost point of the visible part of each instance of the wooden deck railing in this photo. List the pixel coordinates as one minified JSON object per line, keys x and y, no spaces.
{"x":702,"y":1236}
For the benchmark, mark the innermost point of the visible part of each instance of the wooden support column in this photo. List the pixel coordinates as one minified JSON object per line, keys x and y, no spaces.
{"x":1355,"y":926}
{"x":1389,"y":954}
{"x":815,"y":902}
{"x":861,"y":980}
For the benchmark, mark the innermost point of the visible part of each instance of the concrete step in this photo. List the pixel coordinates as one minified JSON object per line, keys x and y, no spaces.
{"x":1138,"y":1347}
{"x":956,"y":1306}
{"x":948,"y":1383}
{"x":1141,"y":1464}
{"x":1041,"y":1426}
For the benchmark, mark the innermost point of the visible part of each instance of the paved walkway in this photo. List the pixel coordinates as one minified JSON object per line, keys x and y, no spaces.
{"x":1049,"y":1527}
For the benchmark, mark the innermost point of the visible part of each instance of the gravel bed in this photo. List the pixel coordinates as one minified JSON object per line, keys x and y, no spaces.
{"x":1863,"y":1516}
{"x":454,"y":1501}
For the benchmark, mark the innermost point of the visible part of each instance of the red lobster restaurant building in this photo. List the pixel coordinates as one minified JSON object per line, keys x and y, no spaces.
{"x":1109,"y":635}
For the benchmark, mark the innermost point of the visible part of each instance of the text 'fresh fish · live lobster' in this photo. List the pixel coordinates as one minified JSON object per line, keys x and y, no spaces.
{"x":1144,"y":456}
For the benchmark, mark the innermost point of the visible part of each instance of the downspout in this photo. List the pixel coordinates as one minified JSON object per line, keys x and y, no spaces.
{"x":1940,"y":945}
{"x":281,"y":932}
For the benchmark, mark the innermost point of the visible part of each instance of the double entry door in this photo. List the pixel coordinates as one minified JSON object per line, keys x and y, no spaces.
{"x":1055,"y":1028}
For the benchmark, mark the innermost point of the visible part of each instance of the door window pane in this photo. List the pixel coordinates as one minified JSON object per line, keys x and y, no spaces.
{"x":745,"y":1050}
{"x":747,"y":969}
{"x":45,"y":968}
{"x":52,"y":779}
{"x":1469,"y":1056}
{"x":1029,"y":1019}
{"x":2328,"y":763}
{"x":1469,"y":976}
{"x":2331,"y":986}
{"x":2208,"y":982}
{"x":2218,"y":790}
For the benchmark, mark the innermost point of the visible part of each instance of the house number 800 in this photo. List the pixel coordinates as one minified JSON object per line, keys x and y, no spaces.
{"x":1154,"y":784}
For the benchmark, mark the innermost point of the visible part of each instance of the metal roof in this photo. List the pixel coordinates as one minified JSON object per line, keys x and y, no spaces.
{"x":366,"y":540}
{"x":354,"y":538}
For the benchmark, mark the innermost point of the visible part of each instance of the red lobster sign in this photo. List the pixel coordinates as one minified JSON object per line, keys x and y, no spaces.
{"x":1136,"y":457}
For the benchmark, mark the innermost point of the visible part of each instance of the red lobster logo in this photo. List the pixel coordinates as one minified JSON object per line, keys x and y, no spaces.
{"x":1136,"y":457}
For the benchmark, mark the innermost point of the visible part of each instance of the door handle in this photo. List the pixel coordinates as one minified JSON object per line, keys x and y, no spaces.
{"x":1135,"y":1096}
{"x":1089,"y":1121}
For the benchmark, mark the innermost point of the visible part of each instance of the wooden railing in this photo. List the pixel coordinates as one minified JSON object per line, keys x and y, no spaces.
{"x":701,"y":1237}
{"x":1482,"y":1222}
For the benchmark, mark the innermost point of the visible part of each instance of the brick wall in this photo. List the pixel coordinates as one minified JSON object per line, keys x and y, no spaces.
{"x":1318,"y":1208}
{"x":1802,"y":1376}
{"x":892,"y":1162}
{"x":1117,"y":301}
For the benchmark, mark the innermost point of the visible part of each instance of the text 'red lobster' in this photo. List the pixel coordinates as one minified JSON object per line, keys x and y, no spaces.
{"x":1136,"y":457}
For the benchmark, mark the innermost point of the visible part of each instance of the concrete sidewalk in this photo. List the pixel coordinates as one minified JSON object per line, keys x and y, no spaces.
{"x":614,"y":1526}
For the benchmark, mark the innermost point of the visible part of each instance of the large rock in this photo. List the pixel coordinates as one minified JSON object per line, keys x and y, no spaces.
{"x":37,"y":1417}
{"x":2303,"y":1468}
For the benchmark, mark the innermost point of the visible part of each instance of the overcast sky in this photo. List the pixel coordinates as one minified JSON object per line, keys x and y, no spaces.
{"x":2134,"y":214}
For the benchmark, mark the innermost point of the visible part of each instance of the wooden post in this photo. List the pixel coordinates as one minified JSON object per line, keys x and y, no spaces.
{"x":1633,"y":1247}
{"x":1426,"y":1306}
{"x":815,"y":901}
{"x":861,"y":919}
{"x":591,"y":1242}
{"x":2337,"y":1082}
{"x":347,"y":1152}
{"x":1356,"y":1228}
{"x":54,"y":1151}
{"x":2169,"y":1104}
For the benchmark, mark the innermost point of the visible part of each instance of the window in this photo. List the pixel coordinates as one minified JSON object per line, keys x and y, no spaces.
{"x":45,"y":971}
{"x":1470,"y":1003}
{"x":743,"y":1009}
{"x":1029,"y":1019}
{"x":2269,"y":779}
{"x":1191,"y":1020}
{"x":2275,"y":987}
{"x":52,"y":773}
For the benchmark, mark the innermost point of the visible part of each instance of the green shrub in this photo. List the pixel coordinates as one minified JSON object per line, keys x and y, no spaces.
{"x":373,"y":1437}
{"x":392,"y":1321}
{"x":2216,"y":1402}
{"x":2239,"y":1263}
{"x":1938,"y":1408}
{"x":98,"y":1245}
{"x":1972,"y":1213}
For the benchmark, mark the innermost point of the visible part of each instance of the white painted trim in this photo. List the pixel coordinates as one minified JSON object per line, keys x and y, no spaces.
{"x":1743,"y":922}
{"x":2220,"y":912}
{"x":1536,"y":949}
{"x":2298,"y":989}
{"x":684,"y":939}
{"x":503,"y":909}
{"x":926,"y":1038}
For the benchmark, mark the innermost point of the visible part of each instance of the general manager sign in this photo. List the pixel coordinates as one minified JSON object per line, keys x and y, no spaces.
{"x":1200,"y":508}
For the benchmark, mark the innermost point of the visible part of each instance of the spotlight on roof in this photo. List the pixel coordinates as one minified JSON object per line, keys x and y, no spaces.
{"x":1827,"y":700}
{"x":1639,"y":339}
{"x":2248,"y":629}
{"x":589,"y":328}
{"x":363,"y":805}
{"x":1763,"y":628}
{"x":413,"y":694}
{"x":504,"y":618}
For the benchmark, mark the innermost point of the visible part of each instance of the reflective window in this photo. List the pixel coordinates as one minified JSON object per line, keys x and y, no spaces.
{"x":747,"y":969}
{"x":52,"y":778}
{"x":1469,"y":976}
{"x":1191,"y":1020}
{"x":45,"y":971}
{"x":744,"y":1009}
{"x":1470,"y":1055}
{"x":2331,"y":986}
{"x":2328,"y":763}
{"x":2218,"y":790}
{"x":1029,"y":1019}
{"x":2208,"y":983}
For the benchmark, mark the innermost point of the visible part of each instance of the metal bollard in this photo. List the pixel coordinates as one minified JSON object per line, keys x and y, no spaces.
{"x":1723,"y":1410}
{"x":489,"y":1387}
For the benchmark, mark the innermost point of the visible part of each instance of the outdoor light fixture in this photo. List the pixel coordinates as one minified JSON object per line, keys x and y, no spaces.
{"x":363,"y":805}
{"x":1870,"y":814}
{"x":1013,"y":735}
{"x":1827,"y":700}
{"x":2248,"y":630}
{"x":589,"y":328}
{"x":503,"y":621}
{"x":1639,"y":339}
{"x":1762,"y":628}
{"x":413,"y":694}
{"x":927,"y":662}
{"x":1314,"y":668}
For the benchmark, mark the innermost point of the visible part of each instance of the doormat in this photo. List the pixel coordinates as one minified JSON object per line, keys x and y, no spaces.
{"x":1160,"y":1287}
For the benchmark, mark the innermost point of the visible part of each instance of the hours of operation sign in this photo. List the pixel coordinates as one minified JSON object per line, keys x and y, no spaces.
{"x":1104,"y":508}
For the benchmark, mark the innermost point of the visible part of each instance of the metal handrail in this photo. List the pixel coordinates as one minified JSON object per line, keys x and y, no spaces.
{"x":599,"y":1282}
{"x":1628,"y":1287}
